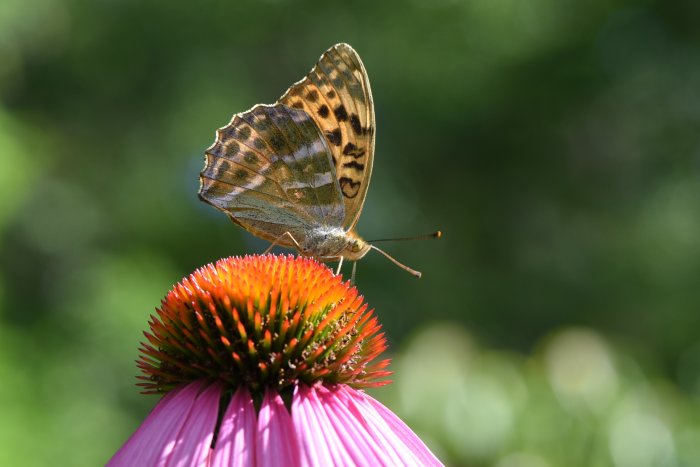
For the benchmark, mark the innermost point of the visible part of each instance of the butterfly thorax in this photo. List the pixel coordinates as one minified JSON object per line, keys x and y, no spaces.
{"x":333,"y":242}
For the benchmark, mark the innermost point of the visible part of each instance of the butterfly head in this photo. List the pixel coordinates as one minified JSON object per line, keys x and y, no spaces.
{"x":356,"y":248}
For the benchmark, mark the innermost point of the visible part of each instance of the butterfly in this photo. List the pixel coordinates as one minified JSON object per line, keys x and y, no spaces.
{"x":296,"y":172}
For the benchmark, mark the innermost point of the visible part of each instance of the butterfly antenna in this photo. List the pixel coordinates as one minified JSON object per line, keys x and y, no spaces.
{"x":436,"y":234}
{"x":402,"y":266}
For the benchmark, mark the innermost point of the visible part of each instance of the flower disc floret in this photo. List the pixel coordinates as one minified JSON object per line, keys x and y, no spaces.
{"x":263,"y":322}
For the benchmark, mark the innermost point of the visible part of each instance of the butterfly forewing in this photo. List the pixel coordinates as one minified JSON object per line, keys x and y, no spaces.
{"x":337,"y":96}
{"x":271,"y":171}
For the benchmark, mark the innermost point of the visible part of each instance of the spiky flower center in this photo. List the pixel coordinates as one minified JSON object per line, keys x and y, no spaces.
{"x":263,"y":321}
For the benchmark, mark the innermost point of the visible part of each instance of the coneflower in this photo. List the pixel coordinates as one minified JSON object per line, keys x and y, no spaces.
{"x":262,"y":361}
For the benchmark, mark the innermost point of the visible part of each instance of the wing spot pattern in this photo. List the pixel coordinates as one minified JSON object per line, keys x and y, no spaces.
{"x":349,"y":187}
{"x":231,"y":148}
{"x":354,"y":165}
{"x":223,"y":166}
{"x":335,"y":137}
{"x":356,"y":125}
{"x":244,"y":133}
{"x":340,"y":113}
{"x":352,"y":150}
{"x":277,"y":142}
{"x":259,"y":143}
{"x":312,"y":96}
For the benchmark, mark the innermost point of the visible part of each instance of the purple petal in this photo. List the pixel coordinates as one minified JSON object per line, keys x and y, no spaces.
{"x":235,"y":445}
{"x":330,"y":426}
{"x":328,"y":434}
{"x":177,"y":431}
{"x":317,"y":439}
{"x":388,"y":429}
{"x":193,"y":446}
{"x":275,"y":444}
{"x":355,"y":429}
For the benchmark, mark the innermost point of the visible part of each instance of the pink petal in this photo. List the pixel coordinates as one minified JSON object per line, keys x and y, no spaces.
{"x":389,"y":429}
{"x":194,"y":440}
{"x":327,"y":437}
{"x":162,"y":433}
{"x":355,"y":430}
{"x":276,"y":444}
{"x":235,"y":445}
{"x":317,"y":439}
{"x":330,"y":426}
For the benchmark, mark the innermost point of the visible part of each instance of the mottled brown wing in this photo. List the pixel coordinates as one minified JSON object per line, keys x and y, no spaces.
{"x":337,"y":95}
{"x":270,"y":171}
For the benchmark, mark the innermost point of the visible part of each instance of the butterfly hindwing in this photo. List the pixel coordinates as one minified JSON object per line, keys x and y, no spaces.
{"x":270,"y":170}
{"x":337,"y":95}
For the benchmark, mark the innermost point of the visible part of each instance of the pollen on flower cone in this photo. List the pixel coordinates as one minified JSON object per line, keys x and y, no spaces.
{"x":263,"y":321}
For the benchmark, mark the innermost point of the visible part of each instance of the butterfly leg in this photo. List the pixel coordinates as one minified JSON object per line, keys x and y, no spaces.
{"x":352,"y":277}
{"x":272,"y":245}
{"x":340,"y":265}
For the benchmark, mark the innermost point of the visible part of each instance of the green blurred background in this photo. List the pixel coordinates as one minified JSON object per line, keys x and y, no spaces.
{"x":555,"y":142}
